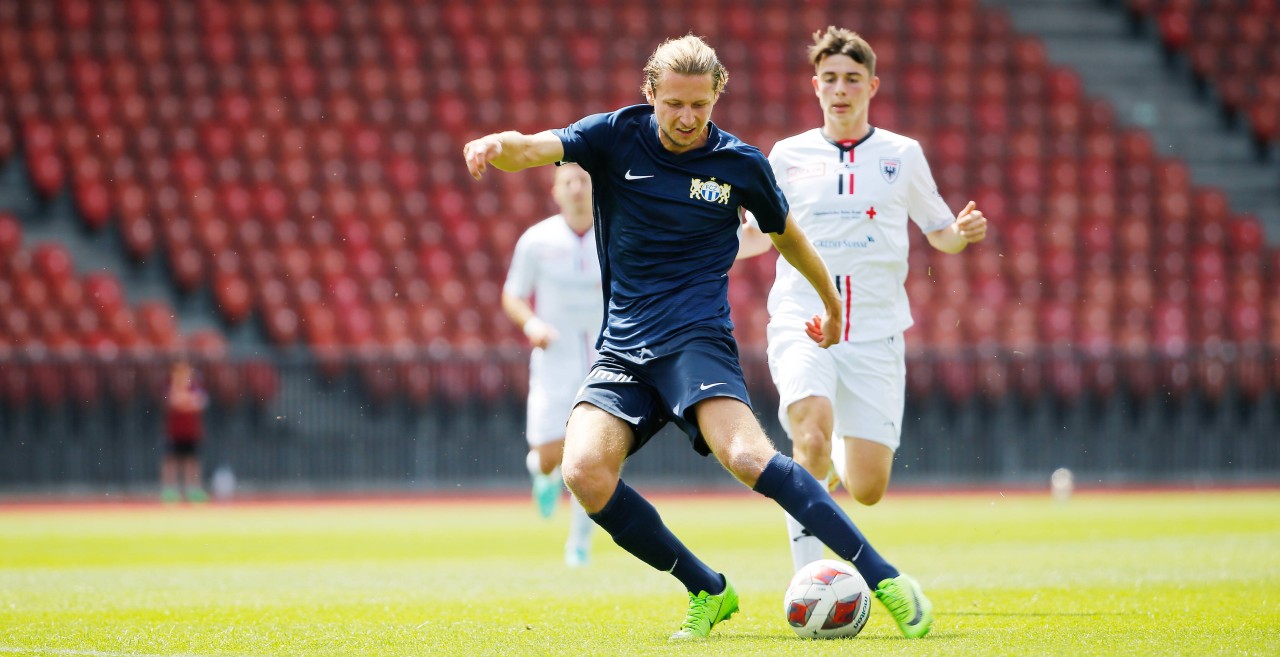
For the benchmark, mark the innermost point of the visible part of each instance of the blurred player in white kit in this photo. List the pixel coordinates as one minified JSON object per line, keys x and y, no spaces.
{"x":553,"y":293}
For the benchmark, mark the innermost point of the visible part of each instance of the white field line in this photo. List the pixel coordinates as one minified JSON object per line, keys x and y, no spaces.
{"x":83,"y":653}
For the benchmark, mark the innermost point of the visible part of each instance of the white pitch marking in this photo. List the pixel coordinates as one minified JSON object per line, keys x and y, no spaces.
{"x":85,"y":653}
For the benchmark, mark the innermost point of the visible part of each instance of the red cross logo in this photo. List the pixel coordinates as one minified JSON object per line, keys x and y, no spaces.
{"x":871,"y":214}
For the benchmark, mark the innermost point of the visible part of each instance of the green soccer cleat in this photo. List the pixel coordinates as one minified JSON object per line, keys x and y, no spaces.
{"x":170,"y":495}
{"x":705,"y":610}
{"x":907,"y":604}
{"x":546,"y":492}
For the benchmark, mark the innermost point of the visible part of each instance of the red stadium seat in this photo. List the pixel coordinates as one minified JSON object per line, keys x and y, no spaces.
{"x":52,"y":261}
{"x":233,"y":296}
{"x":103,"y":292}
{"x":16,"y":324}
{"x":1172,"y":329}
{"x":1208,"y":263}
{"x":158,"y":324}
{"x":10,"y":236}
{"x":1246,"y":235}
{"x":287,"y":156}
{"x":1264,"y":121}
{"x":139,"y":237}
{"x":47,"y":172}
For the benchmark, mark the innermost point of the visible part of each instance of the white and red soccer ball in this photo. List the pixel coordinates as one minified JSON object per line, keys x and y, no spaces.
{"x":827,"y":599}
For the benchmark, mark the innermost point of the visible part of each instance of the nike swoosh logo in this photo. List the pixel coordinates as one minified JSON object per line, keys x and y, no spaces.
{"x":916,"y":619}
{"x":708,"y":387}
{"x":804,"y":533}
{"x":628,"y":176}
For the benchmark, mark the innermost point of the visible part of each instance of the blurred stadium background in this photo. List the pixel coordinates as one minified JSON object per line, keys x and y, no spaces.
{"x":276,"y":187}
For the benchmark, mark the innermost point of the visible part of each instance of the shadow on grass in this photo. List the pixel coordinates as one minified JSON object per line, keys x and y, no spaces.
{"x":790,"y":640}
{"x":1030,"y":613}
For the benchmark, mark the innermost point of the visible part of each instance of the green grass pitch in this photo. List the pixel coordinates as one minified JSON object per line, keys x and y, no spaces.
{"x":1153,"y":573}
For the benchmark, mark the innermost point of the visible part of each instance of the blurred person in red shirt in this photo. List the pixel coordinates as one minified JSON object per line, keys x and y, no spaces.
{"x":185,"y":401}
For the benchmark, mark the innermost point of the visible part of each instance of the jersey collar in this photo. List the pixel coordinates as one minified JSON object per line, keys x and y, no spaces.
{"x":713,"y":137}
{"x":847,"y":145}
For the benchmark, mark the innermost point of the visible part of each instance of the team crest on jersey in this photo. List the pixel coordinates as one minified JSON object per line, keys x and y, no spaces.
{"x":889,"y":168}
{"x":710,"y":191}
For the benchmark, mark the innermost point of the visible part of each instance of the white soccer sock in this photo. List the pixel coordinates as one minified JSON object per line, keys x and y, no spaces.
{"x":580,"y":527}
{"x":805,"y":547}
{"x":838,"y":460}
{"x":534,"y":464}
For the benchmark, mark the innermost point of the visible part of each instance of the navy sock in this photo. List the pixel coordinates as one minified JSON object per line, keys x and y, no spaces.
{"x":796,"y":491}
{"x":637,"y":528}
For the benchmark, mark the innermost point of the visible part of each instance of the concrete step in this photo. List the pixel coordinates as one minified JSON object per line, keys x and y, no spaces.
{"x":1097,"y":40}
{"x":1054,"y":18}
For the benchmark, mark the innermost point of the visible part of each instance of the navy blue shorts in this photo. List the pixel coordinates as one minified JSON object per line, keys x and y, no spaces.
{"x":647,"y":389}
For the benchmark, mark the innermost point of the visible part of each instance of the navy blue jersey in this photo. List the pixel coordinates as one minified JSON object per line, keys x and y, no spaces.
{"x":666,"y":223}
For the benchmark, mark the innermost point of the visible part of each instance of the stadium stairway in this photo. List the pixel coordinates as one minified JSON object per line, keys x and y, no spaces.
{"x":1095,"y":38}
{"x":55,"y":220}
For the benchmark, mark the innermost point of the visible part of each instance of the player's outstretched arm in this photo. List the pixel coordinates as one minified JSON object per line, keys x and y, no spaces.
{"x":512,"y":151}
{"x":795,"y":247}
{"x":970,"y":226}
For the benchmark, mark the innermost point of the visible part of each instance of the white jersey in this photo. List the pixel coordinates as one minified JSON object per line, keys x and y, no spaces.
{"x":853,"y":204}
{"x":560,"y":271}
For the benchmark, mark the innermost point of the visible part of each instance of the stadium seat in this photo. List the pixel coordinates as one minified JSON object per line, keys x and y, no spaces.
{"x":281,"y":157}
{"x":10,"y":236}
{"x":232,"y":295}
{"x":158,"y":325}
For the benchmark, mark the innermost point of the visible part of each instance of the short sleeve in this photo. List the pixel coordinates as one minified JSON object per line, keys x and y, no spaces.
{"x":585,"y":139}
{"x":523,"y":270}
{"x":925,"y":205}
{"x":766,"y":204}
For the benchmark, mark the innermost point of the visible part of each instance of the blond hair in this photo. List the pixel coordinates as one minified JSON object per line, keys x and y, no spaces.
{"x":839,"y":41}
{"x":687,"y":55}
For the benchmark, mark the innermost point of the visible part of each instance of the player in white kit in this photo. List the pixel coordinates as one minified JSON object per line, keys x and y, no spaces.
{"x":852,"y":187}
{"x":556,"y":271}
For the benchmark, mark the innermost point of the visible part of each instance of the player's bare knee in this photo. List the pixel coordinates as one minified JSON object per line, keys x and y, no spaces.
{"x":589,"y":484}
{"x":867,"y":495}
{"x":747,"y":458}
{"x":812,"y":445}
{"x":810,"y":440}
{"x":811,"y":452}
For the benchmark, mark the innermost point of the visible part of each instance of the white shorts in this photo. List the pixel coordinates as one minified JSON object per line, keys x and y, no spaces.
{"x":548,"y":412}
{"x":554,"y":379}
{"x":865,"y":381}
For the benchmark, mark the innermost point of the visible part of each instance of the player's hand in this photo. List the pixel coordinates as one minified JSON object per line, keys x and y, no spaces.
{"x":540,"y":333}
{"x":970,"y":224}
{"x":813,"y":328}
{"x":479,"y":152}
{"x":819,"y":328}
{"x":543,"y":341}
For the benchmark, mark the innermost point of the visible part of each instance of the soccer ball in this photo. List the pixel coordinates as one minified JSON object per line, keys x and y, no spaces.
{"x":827,"y":599}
